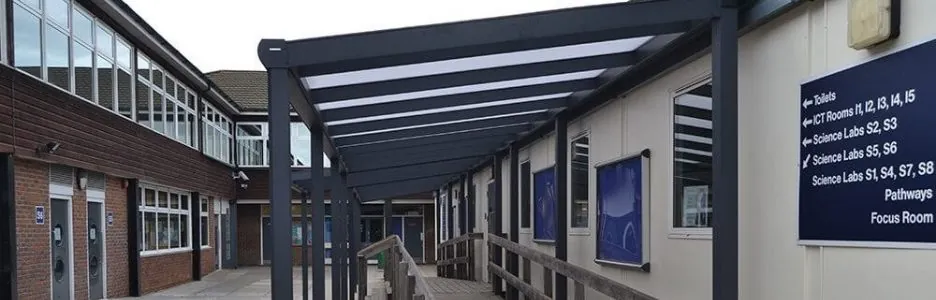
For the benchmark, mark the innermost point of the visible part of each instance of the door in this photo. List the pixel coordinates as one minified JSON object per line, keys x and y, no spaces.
{"x":413,"y":230}
{"x":61,"y":243}
{"x":491,"y":205}
{"x":267,"y":247}
{"x":217,"y":231}
{"x":95,"y":250}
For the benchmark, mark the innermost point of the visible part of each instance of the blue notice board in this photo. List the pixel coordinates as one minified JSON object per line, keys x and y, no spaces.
{"x":867,"y":152}
{"x":620,"y":211}
{"x":544,"y":205}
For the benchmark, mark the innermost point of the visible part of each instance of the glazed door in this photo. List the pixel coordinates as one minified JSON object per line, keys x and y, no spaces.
{"x":413,"y":241}
{"x":95,"y":251}
{"x":61,"y":262}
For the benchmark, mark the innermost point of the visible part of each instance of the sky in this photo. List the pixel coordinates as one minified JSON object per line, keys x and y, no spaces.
{"x":223,"y":34}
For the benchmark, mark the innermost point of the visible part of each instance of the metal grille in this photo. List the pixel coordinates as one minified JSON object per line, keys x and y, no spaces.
{"x":97,"y":181}
{"x":62,"y":175}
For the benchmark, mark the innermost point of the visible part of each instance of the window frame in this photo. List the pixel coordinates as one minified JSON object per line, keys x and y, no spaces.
{"x":205,"y":214}
{"x":586,"y":230}
{"x":298,"y":139}
{"x":216,"y":121}
{"x":4,"y":44}
{"x":156,"y":209}
{"x":676,"y":232}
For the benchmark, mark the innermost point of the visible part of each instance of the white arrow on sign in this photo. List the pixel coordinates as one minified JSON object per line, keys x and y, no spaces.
{"x":807,"y":121}
{"x":807,"y":141}
{"x":807,"y":103}
{"x":806,"y":162}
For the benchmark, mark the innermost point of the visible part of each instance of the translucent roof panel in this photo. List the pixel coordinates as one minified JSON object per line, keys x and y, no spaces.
{"x":461,"y":89}
{"x":429,"y":135}
{"x":440,"y":123}
{"x":448,"y":109}
{"x":475,"y":63}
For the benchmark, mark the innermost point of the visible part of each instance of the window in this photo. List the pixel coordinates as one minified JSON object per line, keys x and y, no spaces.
{"x":218,"y":134}
{"x":579,"y":182}
{"x":205,"y":208}
{"x":27,"y":42}
{"x":525,"y":198}
{"x":165,"y":218}
{"x":692,"y":158}
{"x":253,"y":140}
{"x":161,"y":100}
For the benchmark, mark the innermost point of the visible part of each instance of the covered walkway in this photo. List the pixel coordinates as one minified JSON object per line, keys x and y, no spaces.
{"x":411,"y":110}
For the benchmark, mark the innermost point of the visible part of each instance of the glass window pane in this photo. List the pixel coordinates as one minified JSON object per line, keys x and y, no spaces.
{"x":183,"y":201}
{"x":175,"y":230}
{"x":170,"y":87}
{"x":209,"y":140}
{"x":525,"y":197}
{"x":301,"y":148}
{"x":84,"y":72}
{"x":105,"y":83}
{"x":26,"y":42}
{"x":157,"y":77}
{"x":124,"y":55}
{"x":174,"y":201}
{"x":56,"y":52}
{"x":191,"y":100}
{"x":692,"y":159}
{"x":204,"y":206}
{"x":163,"y":200}
{"x":170,"y":119}
{"x":205,"y":238}
{"x":150,"y":198}
{"x":143,"y":66}
{"x":149,"y":220}
{"x":82,"y":26}
{"x":125,"y":93}
{"x":34,"y":4}
{"x":104,"y":42}
{"x":184,"y":233}
{"x":181,"y":93}
{"x":251,"y":152}
{"x":192,"y":129}
{"x":143,"y":104}
{"x":162,"y":225}
{"x":579,"y":182}
{"x":57,"y":11}
{"x":158,"y":118}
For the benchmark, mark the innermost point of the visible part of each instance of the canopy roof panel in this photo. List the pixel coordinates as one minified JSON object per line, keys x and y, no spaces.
{"x":407,"y":109}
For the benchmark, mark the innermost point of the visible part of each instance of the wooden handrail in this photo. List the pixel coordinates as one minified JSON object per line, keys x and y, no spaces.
{"x":462,"y":238}
{"x":590,"y":279}
{"x":528,"y":290}
{"x":407,"y":283}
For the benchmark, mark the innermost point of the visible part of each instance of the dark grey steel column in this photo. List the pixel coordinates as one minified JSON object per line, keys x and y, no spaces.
{"x":388,"y":215}
{"x":336,"y":252}
{"x":513,"y":264}
{"x":279,"y":80}
{"x":8,"y":233}
{"x":562,"y":201}
{"x":317,"y":197}
{"x":195,"y":211}
{"x":498,"y":217}
{"x":355,"y":237}
{"x":345,"y":233}
{"x":304,"y":211}
{"x":134,"y":237}
{"x":725,"y":152}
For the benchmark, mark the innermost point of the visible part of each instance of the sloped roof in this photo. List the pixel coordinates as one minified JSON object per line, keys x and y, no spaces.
{"x":248,"y":89}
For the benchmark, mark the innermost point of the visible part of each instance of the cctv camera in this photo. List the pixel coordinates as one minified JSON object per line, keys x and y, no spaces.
{"x":241,"y":175}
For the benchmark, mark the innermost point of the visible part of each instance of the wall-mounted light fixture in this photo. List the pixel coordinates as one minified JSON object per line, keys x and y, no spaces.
{"x":48,"y":148}
{"x":871,"y":22}
{"x":82,"y":179}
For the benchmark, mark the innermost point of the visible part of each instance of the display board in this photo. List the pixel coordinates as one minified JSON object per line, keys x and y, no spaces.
{"x":867,"y":152}
{"x":544,"y":205}
{"x":621,"y":188}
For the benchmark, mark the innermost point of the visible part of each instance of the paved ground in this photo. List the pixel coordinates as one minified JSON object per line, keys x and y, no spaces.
{"x":254,"y":283}
{"x":246,"y":283}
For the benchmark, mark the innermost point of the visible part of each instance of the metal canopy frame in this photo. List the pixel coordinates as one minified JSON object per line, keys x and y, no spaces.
{"x":409,"y":110}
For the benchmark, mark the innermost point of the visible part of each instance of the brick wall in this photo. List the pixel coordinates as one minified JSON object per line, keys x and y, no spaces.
{"x":248,"y":234}
{"x":118,"y":284}
{"x":33,"y":258}
{"x":165,"y":271}
{"x":80,"y":242}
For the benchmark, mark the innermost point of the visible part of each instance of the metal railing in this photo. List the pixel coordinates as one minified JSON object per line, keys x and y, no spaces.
{"x":582,"y":277}
{"x":400,"y":270}
{"x":456,"y":257}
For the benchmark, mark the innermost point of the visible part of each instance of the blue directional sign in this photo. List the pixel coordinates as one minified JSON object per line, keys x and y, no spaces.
{"x":867,"y":151}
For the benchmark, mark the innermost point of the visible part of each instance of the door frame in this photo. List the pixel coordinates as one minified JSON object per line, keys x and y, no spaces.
{"x":58,"y":192}
{"x":99,"y":196}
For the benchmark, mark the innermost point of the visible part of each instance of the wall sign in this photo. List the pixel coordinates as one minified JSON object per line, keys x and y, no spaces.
{"x":40,"y":215}
{"x":867,"y":153}
{"x":621,"y":216}
{"x":544,"y":205}
{"x":110,"y":218}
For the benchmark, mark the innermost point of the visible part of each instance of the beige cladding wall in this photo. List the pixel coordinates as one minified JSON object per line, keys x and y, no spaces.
{"x":774,"y":60}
